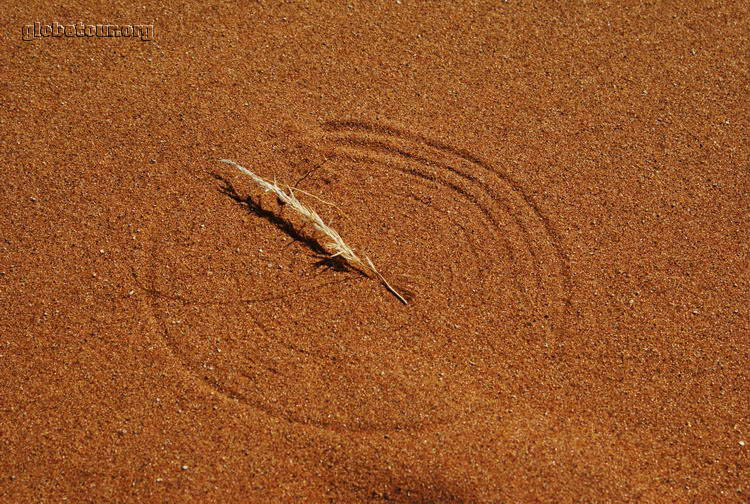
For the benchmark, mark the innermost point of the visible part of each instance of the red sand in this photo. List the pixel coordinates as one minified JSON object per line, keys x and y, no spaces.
{"x":563,"y":191}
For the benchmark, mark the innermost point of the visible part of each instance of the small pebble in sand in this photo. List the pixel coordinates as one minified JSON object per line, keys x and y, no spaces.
{"x":742,"y":443}
{"x":185,"y":468}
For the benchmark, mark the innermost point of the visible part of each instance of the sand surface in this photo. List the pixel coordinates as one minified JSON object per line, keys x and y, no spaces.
{"x":561,"y":191}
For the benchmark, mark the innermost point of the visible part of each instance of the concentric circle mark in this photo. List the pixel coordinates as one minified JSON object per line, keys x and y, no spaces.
{"x":244,"y":308}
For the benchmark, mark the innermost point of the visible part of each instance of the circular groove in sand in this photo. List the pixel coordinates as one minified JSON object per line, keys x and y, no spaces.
{"x":497,"y":201}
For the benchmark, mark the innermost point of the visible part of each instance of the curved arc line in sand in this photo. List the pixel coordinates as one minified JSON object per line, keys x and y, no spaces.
{"x":214,"y":386}
{"x":463,"y":194}
{"x":376,"y":139}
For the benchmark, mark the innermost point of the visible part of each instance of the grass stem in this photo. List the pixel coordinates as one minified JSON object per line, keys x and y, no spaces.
{"x":335,"y":245}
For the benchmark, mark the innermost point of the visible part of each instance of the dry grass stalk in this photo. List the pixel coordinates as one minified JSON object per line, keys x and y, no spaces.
{"x":335,"y":244}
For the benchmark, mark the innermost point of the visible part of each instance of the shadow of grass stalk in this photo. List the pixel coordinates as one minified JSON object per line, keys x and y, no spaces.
{"x":335,"y":245}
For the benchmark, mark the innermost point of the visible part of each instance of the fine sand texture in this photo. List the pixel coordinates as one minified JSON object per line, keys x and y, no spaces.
{"x":560,"y":191}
